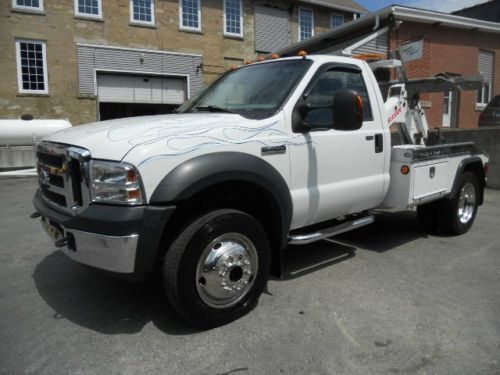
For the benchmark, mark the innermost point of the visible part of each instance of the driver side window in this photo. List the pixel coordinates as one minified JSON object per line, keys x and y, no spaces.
{"x":323,"y":90}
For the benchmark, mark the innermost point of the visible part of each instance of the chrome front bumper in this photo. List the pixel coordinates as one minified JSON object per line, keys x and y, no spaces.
{"x":110,"y":253}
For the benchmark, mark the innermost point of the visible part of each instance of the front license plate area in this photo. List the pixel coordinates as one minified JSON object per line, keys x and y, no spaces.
{"x":52,"y":229}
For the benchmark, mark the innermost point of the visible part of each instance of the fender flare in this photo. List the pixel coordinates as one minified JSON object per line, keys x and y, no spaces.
{"x":201,"y":172}
{"x":460,"y":170}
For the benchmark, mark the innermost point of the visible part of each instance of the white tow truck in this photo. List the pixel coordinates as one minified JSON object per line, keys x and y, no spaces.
{"x":284,"y":151}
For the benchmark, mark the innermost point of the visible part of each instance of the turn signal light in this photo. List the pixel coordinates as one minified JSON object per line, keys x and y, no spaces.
{"x":302,"y":53}
{"x":405,"y":169}
{"x":275,"y":56}
{"x":260,"y":58}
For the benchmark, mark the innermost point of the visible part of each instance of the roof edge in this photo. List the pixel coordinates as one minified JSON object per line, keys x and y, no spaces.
{"x":336,"y":6}
{"x":446,"y":19}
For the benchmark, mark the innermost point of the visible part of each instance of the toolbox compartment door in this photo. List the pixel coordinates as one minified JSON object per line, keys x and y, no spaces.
{"x":430,"y":180}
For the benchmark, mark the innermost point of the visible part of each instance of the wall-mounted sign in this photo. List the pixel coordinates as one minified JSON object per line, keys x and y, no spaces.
{"x":412,"y":50}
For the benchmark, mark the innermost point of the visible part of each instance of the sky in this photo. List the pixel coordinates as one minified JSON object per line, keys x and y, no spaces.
{"x":439,"y":5}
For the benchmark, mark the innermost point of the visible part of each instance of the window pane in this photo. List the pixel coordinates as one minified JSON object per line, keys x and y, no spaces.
{"x":306,"y":24}
{"x":479,"y":96}
{"x":28,"y":3}
{"x":327,"y":85}
{"x":143,"y":10}
{"x":256,"y":90}
{"x":88,"y":7}
{"x":32,"y":65}
{"x":190,"y":14}
{"x":233,"y":20}
{"x":337,"y":20}
{"x":486,"y":98}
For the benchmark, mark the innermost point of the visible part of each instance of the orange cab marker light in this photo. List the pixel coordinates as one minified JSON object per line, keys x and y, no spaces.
{"x":234,"y":67}
{"x":369,"y":56}
{"x":260,"y":58}
{"x":302,"y":53}
{"x":405,"y":169}
{"x":275,"y":56}
{"x":248,"y":62}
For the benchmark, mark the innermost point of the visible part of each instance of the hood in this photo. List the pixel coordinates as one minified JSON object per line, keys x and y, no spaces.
{"x":177,"y":133}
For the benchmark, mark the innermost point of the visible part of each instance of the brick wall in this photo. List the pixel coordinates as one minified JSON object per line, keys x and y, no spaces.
{"x":449,"y":50}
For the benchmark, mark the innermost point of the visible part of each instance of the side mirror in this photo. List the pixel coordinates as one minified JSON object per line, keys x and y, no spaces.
{"x":347,"y":110}
{"x":308,"y":117}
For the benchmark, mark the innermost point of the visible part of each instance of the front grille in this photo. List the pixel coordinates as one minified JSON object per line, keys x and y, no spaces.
{"x":63,"y":176}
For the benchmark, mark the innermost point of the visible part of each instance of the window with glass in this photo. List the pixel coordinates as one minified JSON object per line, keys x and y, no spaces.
{"x":484,"y":94}
{"x":322,"y":92}
{"x":306,"y":23}
{"x":253,"y":91}
{"x":337,"y":20}
{"x":142,"y":11}
{"x":31,"y":67}
{"x":486,"y":67}
{"x":88,"y":8}
{"x":233,"y":17}
{"x":190,"y":14}
{"x":28,"y":4}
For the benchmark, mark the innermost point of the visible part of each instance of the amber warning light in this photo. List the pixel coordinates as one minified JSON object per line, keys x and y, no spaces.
{"x":405,"y":169}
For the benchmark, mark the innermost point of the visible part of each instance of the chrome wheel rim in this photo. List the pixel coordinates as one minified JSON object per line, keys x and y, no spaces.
{"x":466,"y":203}
{"x":226,"y":270}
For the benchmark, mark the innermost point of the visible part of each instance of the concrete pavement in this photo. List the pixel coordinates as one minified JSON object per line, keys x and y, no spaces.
{"x":387,"y":299}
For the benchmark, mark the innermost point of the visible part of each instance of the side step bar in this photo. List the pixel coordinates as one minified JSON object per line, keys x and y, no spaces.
{"x":303,"y":239}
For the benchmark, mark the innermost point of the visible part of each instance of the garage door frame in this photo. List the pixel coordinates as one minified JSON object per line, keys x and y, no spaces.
{"x":140,"y":73}
{"x":135,"y":73}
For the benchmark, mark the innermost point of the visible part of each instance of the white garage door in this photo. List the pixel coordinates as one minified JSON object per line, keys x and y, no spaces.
{"x":114,"y":88}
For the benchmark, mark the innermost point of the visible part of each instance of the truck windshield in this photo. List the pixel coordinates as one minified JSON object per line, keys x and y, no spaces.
{"x":254,"y":91}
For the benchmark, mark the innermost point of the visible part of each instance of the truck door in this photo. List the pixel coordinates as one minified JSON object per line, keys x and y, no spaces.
{"x":334,"y":172}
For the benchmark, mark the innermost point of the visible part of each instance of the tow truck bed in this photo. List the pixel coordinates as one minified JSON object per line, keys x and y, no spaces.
{"x":420,"y":173}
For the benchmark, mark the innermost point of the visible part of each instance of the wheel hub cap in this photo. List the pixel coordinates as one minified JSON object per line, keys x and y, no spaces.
{"x":226,"y":270}
{"x":466,"y":203}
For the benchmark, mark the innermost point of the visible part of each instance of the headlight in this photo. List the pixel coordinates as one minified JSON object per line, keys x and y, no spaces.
{"x":113,"y":182}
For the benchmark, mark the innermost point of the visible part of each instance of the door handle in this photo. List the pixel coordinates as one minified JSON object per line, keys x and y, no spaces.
{"x":369,"y":137}
{"x":379,"y":143}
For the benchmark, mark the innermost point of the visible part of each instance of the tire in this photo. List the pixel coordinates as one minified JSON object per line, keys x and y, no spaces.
{"x":428,"y":216}
{"x":211,"y":258}
{"x":458,"y":213}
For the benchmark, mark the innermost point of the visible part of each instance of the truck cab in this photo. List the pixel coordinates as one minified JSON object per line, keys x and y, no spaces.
{"x":284,"y":151}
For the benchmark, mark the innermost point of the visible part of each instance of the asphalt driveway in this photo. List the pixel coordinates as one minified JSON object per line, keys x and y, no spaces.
{"x":385,"y":299}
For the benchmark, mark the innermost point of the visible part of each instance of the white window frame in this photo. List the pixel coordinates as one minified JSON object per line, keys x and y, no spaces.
{"x":140,"y":22}
{"x":332,"y":16}
{"x":21,"y":90}
{"x":227,"y":33}
{"x":189,"y":28}
{"x":301,"y":9}
{"x":23,"y":7}
{"x":480,"y":103}
{"x":87,"y":15}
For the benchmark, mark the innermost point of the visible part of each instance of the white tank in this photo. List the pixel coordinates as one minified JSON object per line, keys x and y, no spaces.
{"x":27,"y":132}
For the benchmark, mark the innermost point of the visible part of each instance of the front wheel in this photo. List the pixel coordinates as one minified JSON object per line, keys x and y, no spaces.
{"x":216,"y":269}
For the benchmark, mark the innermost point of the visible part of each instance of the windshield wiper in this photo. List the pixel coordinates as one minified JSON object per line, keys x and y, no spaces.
{"x":213,"y":108}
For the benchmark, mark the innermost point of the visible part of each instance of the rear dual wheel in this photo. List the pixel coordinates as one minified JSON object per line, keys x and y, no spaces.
{"x":456,"y":215}
{"x":217,"y":268}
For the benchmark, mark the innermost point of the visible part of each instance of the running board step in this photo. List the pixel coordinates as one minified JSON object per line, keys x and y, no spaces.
{"x":305,"y":238}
